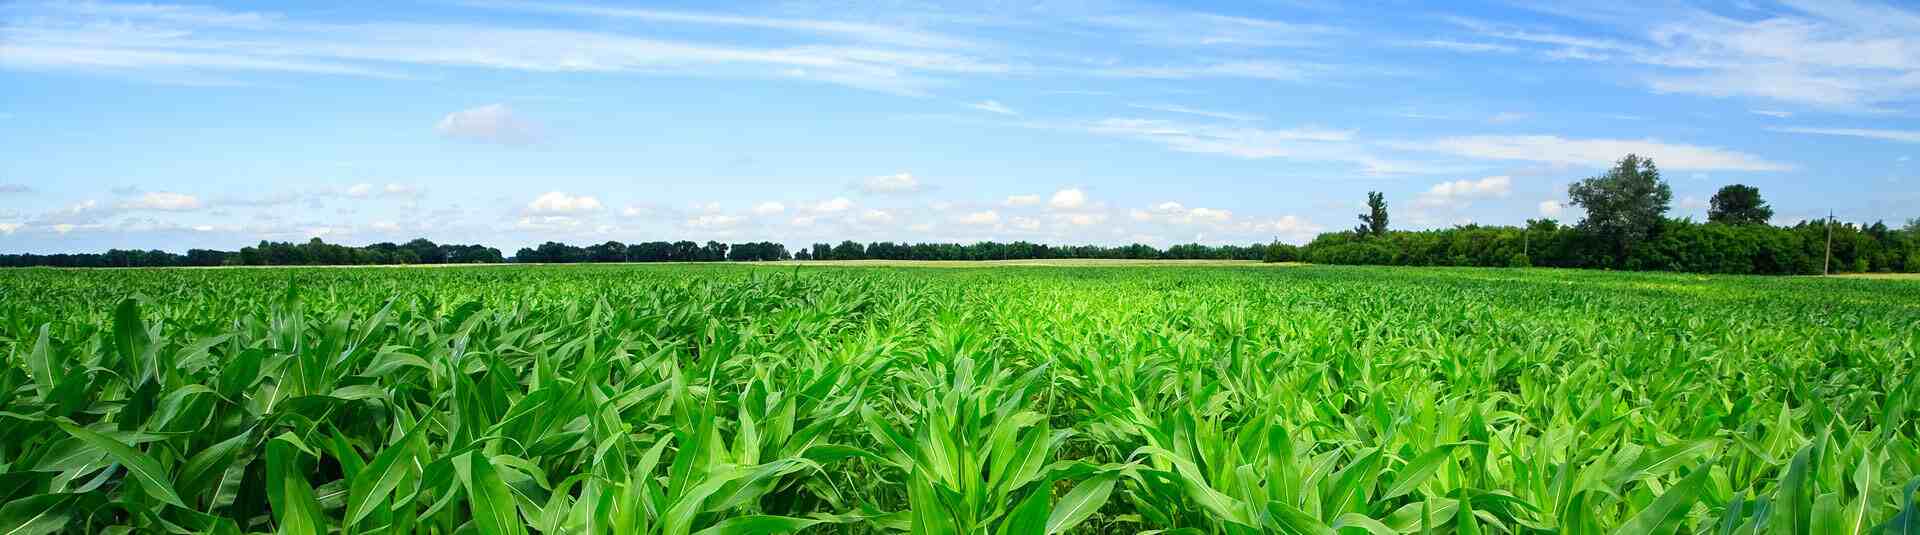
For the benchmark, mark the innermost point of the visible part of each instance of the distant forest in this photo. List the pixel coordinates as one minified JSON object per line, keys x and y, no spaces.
{"x":422,"y":251}
{"x":1625,"y":227}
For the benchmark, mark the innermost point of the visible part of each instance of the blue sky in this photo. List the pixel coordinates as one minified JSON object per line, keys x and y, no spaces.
{"x":509,"y":122}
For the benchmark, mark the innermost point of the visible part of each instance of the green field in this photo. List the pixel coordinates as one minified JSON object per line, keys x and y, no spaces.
{"x":679,"y":399}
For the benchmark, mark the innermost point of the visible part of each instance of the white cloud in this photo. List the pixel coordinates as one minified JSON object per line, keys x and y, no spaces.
{"x":639,"y":211}
{"x":492,"y":123}
{"x":394,"y":190}
{"x":1176,"y":213}
{"x":714,"y":221}
{"x":1081,"y":220}
{"x":1460,"y":46}
{"x":9,"y":228}
{"x":1773,"y":113}
{"x":1459,"y":192}
{"x":143,"y":44}
{"x":769,"y":208}
{"x":895,"y":183}
{"x":802,"y":221}
{"x":1596,"y":152}
{"x":1068,"y":199}
{"x":1692,"y":203}
{"x":1551,"y":208}
{"x":877,"y":33}
{"x":385,"y":226}
{"x":1841,"y":55}
{"x":1507,"y":117}
{"x":993,"y":106}
{"x":548,"y":223}
{"x":164,"y":201}
{"x":834,"y":205}
{"x":1903,"y":136}
{"x":555,"y":202}
{"x":1252,"y":70}
{"x":987,"y":217}
{"x":876,"y":216}
{"x":1290,"y":228}
{"x":1171,"y":108}
{"x":1303,"y":144}
{"x":1025,"y":223}
{"x":1021,"y":200}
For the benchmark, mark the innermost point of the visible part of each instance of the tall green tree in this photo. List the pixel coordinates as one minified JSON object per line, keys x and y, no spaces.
{"x":1624,"y":206}
{"x":1374,"y":222}
{"x":1739,"y":204}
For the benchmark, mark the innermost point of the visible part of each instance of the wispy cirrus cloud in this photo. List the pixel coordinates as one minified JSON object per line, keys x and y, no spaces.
{"x":1594,"y":152}
{"x":1903,"y":136}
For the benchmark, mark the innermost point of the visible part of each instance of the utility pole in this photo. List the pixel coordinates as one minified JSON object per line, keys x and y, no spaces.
{"x":1826,"y":265}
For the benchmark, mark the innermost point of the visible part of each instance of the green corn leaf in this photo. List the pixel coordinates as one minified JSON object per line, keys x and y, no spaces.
{"x":147,"y":471}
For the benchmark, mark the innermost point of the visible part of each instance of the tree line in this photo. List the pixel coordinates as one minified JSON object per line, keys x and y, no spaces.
{"x":1626,"y":227}
{"x":271,"y":253}
{"x":422,"y":251}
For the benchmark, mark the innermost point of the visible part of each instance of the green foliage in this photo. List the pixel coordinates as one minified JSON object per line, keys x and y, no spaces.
{"x":1677,"y":245}
{"x":735,"y":399}
{"x":1625,"y":205}
{"x":1738,"y":204}
{"x":1374,"y":222}
{"x":1281,"y":252}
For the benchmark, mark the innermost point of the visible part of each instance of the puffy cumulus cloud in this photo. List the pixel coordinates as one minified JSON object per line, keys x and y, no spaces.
{"x":831,"y":206}
{"x":165,"y":201}
{"x":876,"y":216}
{"x":987,"y":217}
{"x":1460,"y":192}
{"x":10,"y":228}
{"x":1068,"y":199}
{"x":555,"y":202}
{"x":385,"y":226}
{"x":1021,"y":200}
{"x":1595,"y":152}
{"x":1176,"y":213}
{"x":1025,"y":223}
{"x":1080,"y":220}
{"x":1290,"y":228}
{"x":492,"y":123}
{"x":769,"y":208}
{"x":713,"y":221}
{"x":921,"y":227}
{"x":895,"y":183}
{"x":802,"y":221}
{"x":1551,"y":208}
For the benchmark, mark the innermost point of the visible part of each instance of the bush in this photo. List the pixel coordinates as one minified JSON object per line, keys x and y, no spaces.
{"x":1281,"y":252}
{"x":1520,"y":260}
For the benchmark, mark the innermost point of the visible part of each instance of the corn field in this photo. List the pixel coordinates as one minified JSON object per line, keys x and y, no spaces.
{"x":725,"y":399}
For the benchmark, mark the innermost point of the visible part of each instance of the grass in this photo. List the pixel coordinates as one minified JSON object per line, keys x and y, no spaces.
{"x":679,"y":399}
